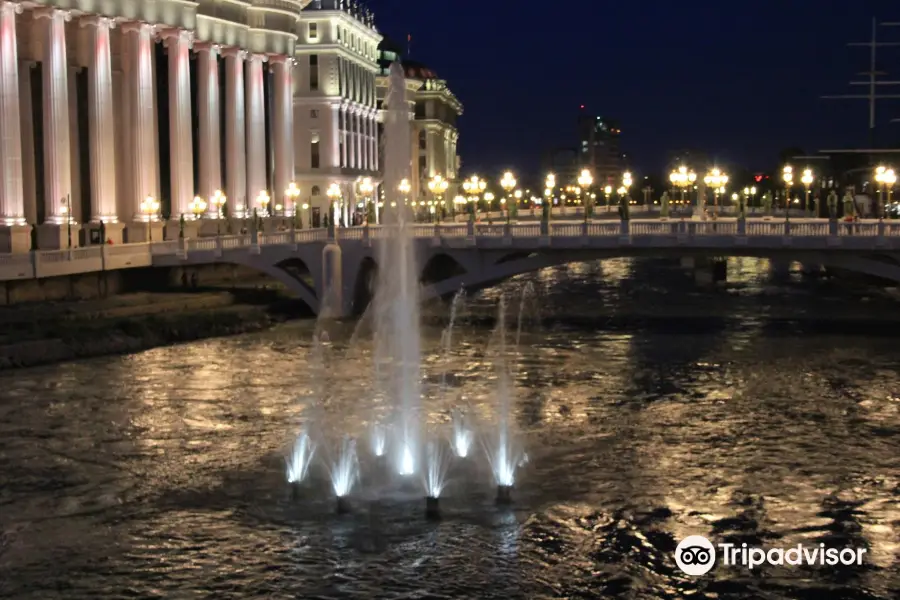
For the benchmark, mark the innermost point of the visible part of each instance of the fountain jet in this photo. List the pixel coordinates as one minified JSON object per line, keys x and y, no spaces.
{"x":298,"y":461}
{"x":396,"y":302}
{"x":434,"y":478}
{"x":378,"y":440}
{"x":344,"y":473}
{"x":462,"y":434}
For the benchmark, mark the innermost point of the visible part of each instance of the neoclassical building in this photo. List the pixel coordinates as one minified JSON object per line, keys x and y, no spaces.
{"x":124,"y":111}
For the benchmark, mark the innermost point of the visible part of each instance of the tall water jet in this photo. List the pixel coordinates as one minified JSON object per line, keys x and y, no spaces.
{"x":396,"y":316}
{"x":503,"y":452}
{"x":298,"y":461}
{"x":447,"y":337}
{"x":434,"y":477}
{"x":463,"y":435}
{"x":344,"y":473}
{"x":378,"y":439}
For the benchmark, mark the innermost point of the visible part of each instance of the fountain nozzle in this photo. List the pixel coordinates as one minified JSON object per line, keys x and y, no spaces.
{"x":343,"y":505}
{"x":295,"y":491}
{"x":432,"y":508}
{"x":504,"y":494}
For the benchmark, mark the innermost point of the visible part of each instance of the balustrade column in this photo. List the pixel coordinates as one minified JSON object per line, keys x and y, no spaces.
{"x":139,"y":88}
{"x":209,"y":122}
{"x":101,"y":121}
{"x":256,"y":129}
{"x":57,"y":151}
{"x":12,"y":203}
{"x":181,"y":150}
{"x":235,"y":132}
{"x":283,"y":124}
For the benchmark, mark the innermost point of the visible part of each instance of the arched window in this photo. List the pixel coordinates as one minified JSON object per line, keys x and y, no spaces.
{"x":315,"y":190}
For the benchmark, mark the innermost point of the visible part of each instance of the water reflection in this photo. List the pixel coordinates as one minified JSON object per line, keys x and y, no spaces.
{"x":162,"y":472}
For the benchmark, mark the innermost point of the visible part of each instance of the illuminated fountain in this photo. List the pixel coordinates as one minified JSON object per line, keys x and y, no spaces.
{"x":396,"y":302}
{"x":298,"y":461}
{"x":434,"y":477}
{"x":344,"y":473}
{"x":463,"y":435}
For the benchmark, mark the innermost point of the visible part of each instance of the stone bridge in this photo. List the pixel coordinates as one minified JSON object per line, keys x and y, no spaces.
{"x":340,"y":264}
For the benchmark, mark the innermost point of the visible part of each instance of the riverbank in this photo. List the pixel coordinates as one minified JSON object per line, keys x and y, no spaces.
{"x":46,"y":333}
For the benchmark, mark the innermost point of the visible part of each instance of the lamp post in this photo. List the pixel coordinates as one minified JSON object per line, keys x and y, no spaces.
{"x":682,"y":179}
{"x":885,"y":177}
{"x":66,"y":209}
{"x":626,"y":184}
{"x":508,"y":183}
{"x":749,"y":192}
{"x":549,"y":187}
{"x":513,"y":209}
{"x":149,"y":206}
{"x":607,"y":192}
{"x":404,"y":188}
{"x":291,"y":194}
{"x":459,"y":204}
{"x":305,"y":207}
{"x":366,"y":187}
{"x":717,"y":180}
{"x":218,"y":202}
{"x":263,"y":200}
{"x":806,"y":179}
{"x":198,"y":207}
{"x":787,"y":174}
{"x":437,"y":186}
{"x":585,"y":180}
{"x":334,"y":196}
{"x":473,"y":188}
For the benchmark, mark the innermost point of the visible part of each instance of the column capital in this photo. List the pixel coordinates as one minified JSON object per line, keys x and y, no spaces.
{"x":281,"y":59}
{"x":210,"y":47}
{"x":171,"y":36}
{"x":14,"y":7}
{"x":47,"y":12}
{"x":128,"y":26}
{"x":97,"y":21}
{"x":233,"y":52}
{"x":253,"y":57}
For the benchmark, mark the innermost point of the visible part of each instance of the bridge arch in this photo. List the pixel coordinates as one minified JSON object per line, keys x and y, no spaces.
{"x":364,"y":285}
{"x":291,"y":272}
{"x":506,"y":265}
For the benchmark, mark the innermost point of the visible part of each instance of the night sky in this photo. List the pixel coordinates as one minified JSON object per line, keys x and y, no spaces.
{"x":739,"y":80}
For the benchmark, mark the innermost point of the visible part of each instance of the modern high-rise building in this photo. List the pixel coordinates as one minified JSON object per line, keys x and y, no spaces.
{"x":598,"y":147}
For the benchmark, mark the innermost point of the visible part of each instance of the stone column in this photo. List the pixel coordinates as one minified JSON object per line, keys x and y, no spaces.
{"x":364,"y":137}
{"x":209,"y":123}
{"x":235,"y":133}
{"x":138,"y":86}
{"x":375,"y":146}
{"x":100,"y":119}
{"x":335,"y":136}
{"x":283,"y":125}
{"x":57,"y":151}
{"x":181,"y":151}
{"x":14,"y":235}
{"x":344,"y":135}
{"x":256,"y":132}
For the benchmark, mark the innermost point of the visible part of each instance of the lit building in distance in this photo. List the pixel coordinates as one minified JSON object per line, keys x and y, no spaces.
{"x":598,"y":140}
{"x":435,"y":111}
{"x":336,"y":114}
{"x":123,"y":118}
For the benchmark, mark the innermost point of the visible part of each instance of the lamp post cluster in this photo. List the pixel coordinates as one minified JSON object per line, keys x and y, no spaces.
{"x":716,"y":179}
{"x":683,"y":179}
{"x":885,"y":177}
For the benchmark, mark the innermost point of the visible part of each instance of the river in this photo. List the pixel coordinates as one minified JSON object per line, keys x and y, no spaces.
{"x":160,"y":474}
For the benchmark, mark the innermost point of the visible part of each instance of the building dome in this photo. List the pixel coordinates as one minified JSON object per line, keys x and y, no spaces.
{"x":417,"y":70}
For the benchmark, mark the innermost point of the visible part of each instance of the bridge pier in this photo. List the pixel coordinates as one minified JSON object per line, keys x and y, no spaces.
{"x":331,"y":294}
{"x":708,"y":271}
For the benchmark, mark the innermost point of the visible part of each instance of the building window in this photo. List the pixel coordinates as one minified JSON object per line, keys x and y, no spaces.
{"x":314,"y":114}
{"x":420,"y":111}
{"x":315,"y":190}
{"x":313,"y":31}
{"x":423,"y":140}
{"x":313,"y":72}
{"x":314,"y":159}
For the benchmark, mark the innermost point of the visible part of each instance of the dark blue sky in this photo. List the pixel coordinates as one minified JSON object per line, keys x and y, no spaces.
{"x":740,"y":80}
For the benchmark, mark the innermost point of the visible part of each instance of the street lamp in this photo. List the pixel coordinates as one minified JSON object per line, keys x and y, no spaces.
{"x":885,"y":177}
{"x":787,"y":173}
{"x":806,"y":179}
{"x":437,"y":186}
{"x":473,"y":188}
{"x":607,"y":191}
{"x":291,"y":194}
{"x":682,"y":179}
{"x":585,"y":180}
{"x":149,"y":206}
{"x":366,"y":187}
{"x":717,"y":180}
{"x":334,"y":195}
{"x":508,"y":183}
{"x":749,"y":192}
{"x":218,"y":201}
{"x":263,"y":200}
{"x":198,"y":207}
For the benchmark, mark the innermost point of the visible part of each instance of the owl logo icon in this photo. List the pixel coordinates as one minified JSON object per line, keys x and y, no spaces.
{"x":695,"y":555}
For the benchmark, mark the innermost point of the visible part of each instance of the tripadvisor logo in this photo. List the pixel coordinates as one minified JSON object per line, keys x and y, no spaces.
{"x":696,"y":555}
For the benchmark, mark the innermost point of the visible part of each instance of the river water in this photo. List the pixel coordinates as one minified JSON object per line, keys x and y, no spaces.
{"x":160,"y":474}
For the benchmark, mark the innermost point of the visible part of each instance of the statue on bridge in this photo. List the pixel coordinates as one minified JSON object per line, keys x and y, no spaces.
{"x":624,"y":209}
{"x":832,"y":204}
{"x":849,"y":205}
{"x":664,"y":205}
{"x":767,"y":204}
